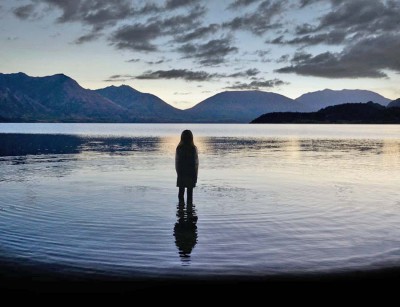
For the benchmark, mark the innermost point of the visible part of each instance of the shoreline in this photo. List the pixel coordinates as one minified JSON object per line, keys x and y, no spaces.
{"x":15,"y":278}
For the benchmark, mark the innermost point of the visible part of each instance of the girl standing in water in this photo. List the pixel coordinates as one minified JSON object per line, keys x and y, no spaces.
{"x":186,"y":165}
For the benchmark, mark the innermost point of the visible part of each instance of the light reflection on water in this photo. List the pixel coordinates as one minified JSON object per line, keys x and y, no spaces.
{"x":264,"y":204}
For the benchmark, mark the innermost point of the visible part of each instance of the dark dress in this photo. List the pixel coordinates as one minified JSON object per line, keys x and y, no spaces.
{"x":186,"y":165}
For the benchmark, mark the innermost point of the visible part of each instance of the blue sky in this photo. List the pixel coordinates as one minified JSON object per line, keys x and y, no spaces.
{"x":187,"y":50}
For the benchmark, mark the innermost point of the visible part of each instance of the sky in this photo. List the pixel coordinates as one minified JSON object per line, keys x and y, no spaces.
{"x":185,"y":51}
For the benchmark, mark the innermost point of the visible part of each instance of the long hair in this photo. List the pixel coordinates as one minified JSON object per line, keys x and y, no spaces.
{"x":186,"y":139}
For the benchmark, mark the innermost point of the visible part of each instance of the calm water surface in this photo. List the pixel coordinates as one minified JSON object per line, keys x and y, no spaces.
{"x":271,"y":199}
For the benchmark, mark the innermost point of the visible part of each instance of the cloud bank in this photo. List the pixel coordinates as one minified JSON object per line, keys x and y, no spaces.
{"x":331,"y":39}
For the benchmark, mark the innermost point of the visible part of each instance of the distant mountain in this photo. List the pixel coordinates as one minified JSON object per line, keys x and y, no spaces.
{"x":53,"y":98}
{"x":349,"y":113}
{"x":241,"y":106}
{"x":394,"y":103}
{"x":146,"y":107}
{"x":322,"y":99}
{"x":59,"y":98}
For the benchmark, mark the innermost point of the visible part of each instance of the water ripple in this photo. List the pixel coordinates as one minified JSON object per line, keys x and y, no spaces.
{"x":263,"y":205}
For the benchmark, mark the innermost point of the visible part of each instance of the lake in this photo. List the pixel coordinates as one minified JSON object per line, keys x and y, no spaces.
{"x":271,"y":199}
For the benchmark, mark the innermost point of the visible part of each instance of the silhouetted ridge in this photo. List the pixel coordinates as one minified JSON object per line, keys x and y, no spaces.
{"x":142,"y":106}
{"x":394,"y":103}
{"x":356,"y":113}
{"x":241,"y":106}
{"x":322,"y":99}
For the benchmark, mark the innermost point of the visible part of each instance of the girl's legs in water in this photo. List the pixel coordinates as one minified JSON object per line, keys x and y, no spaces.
{"x":190,"y":196}
{"x":181,"y":194}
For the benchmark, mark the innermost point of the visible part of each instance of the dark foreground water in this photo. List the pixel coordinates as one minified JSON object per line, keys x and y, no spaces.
{"x":271,"y":199}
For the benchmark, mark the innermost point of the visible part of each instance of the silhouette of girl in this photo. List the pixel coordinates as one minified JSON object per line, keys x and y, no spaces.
{"x":185,"y":231}
{"x":186,"y":165}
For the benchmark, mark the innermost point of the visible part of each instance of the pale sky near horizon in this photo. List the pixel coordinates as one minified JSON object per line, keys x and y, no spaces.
{"x":185,"y":51}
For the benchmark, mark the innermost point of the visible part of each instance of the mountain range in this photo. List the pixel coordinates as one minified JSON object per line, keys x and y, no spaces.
{"x":325,"y":98}
{"x":52,"y":99}
{"x":59,"y":98}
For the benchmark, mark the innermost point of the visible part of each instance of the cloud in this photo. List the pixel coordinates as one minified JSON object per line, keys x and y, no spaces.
{"x":173,"y":4}
{"x":301,"y":57}
{"x":99,"y":12}
{"x":140,"y":36}
{"x":365,"y":58}
{"x":304,"y":3}
{"x":133,"y":61}
{"x":119,"y":78}
{"x":241,"y":3}
{"x":211,"y":53}
{"x":283,"y":58}
{"x":356,"y":19}
{"x":305,"y":28}
{"x":257,"y":84}
{"x":91,"y":12}
{"x":198,"y":33}
{"x":184,"y":74}
{"x":160,"y":61}
{"x":152,"y":20}
{"x":346,"y":22}
{"x":248,"y":73}
{"x":277,"y":40}
{"x":334,"y":37}
{"x":360,"y":16}
{"x":260,"y":20}
{"x":262,"y":53}
{"x":96,"y":13}
{"x":182,"y":93}
{"x":136,"y":37}
{"x":87,"y":37}
{"x":176,"y":24}
{"x":180,"y":20}
{"x":24,"y":11}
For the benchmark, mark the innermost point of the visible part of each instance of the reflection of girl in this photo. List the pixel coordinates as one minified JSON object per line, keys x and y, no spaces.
{"x":186,"y":165}
{"x":185,"y":230}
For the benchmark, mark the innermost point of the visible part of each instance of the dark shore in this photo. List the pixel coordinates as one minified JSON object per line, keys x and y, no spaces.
{"x":348,"y":113}
{"x":15,"y":279}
